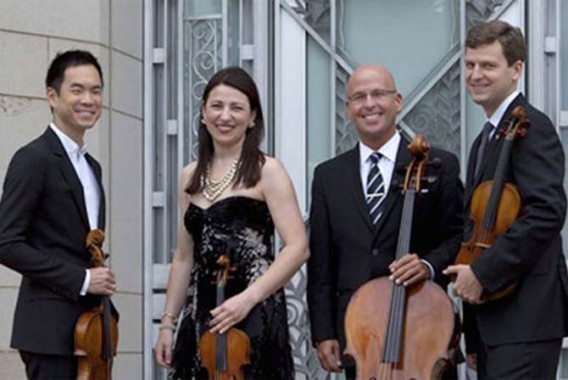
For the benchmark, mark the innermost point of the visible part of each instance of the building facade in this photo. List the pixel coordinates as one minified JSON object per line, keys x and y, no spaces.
{"x":31,"y":33}
{"x":157,"y":56}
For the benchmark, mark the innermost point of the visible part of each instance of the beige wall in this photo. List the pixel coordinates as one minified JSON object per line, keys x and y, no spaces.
{"x":31,"y":33}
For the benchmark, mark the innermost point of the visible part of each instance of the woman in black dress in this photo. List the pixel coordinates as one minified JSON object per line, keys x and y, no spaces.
{"x":231,"y":199}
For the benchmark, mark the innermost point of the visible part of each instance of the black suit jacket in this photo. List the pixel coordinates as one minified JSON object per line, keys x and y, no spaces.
{"x":530,"y":252}
{"x":347,"y":250}
{"x":43,"y":226}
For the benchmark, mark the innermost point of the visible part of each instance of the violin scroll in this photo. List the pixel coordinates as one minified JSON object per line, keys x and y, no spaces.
{"x":517,"y":126}
{"x":96,"y":330}
{"x":94,"y":243}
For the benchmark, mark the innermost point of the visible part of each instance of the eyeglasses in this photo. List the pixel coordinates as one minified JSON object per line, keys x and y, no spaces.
{"x":360,"y":98}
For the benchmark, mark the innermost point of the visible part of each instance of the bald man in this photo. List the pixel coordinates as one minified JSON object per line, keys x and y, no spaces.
{"x":356,"y":213}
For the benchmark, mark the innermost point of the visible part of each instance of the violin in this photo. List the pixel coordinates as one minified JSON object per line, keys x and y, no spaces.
{"x":397,"y":333}
{"x":224,"y":355}
{"x":96,"y":330}
{"x":495,"y":205}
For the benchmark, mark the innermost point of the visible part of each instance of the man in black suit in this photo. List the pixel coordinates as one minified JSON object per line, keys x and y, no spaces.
{"x":52,"y":197}
{"x":519,"y":336}
{"x":349,"y":243}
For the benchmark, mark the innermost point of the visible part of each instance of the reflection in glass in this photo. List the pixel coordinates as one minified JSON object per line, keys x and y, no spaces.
{"x":318,"y":107}
{"x":564,"y":139}
{"x":385,"y":32}
{"x":564,"y":54}
{"x":437,"y":115}
{"x":345,"y":132}
{"x":201,"y":7}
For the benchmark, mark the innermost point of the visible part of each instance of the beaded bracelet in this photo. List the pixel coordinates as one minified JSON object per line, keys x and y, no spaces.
{"x":166,"y":314}
{"x":167,"y":327}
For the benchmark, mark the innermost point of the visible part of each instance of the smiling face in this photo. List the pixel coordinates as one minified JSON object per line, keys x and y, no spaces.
{"x":373,"y":104}
{"x":489,"y":78}
{"x":227,"y":115}
{"x":78,"y":104}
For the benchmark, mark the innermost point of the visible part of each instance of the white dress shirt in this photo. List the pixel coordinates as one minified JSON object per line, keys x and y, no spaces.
{"x":91,"y":190}
{"x":495,"y":119}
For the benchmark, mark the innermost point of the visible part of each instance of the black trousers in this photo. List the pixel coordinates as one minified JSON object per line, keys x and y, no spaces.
{"x":49,"y":367}
{"x":522,"y":361}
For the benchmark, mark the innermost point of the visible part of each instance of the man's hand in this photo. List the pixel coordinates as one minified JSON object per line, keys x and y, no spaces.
{"x":408,"y":270}
{"x":466,"y":285}
{"x":328,"y":355}
{"x":102,"y":282}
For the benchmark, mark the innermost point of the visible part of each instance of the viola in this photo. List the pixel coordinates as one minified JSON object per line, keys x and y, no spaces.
{"x":224,"y":355}
{"x":96,"y":330}
{"x":398,"y":333}
{"x":495,"y":205}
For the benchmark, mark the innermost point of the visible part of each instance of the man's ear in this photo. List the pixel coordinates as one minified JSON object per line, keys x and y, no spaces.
{"x":518,"y":69}
{"x":51,"y":95}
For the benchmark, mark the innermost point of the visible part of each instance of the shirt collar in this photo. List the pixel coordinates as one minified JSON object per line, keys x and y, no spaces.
{"x":495,"y":119}
{"x":388,"y":150}
{"x":70,"y":146}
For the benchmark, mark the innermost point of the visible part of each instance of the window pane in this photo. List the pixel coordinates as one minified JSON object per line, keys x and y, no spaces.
{"x":318,"y":107}
{"x":201,"y":7}
{"x":564,"y":54}
{"x":564,"y":139}
{"x":385,"y":32}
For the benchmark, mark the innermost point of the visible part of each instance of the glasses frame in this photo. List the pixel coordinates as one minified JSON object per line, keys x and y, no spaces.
{"x":376,"y":95}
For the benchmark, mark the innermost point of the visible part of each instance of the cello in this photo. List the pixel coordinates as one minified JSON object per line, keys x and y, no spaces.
{"x":397,"y":333}
{"x":224,"y":355}
{"x":96,"y":330}
{"x":495,"y":205}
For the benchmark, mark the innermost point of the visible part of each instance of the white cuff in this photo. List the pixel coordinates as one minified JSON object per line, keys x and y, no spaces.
{"x":432,"y":273}
{"x":86,"y":283}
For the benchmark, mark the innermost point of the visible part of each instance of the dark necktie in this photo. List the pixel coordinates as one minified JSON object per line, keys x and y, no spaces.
{"x":375,"y":188}
{"x":487,"y":128}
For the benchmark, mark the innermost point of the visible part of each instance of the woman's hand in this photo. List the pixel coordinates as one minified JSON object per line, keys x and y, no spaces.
{"x":163,"y":348}
{"x":231,"y":312}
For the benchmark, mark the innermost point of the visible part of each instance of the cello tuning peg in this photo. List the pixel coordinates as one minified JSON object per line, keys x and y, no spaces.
{"x":429,"y":179}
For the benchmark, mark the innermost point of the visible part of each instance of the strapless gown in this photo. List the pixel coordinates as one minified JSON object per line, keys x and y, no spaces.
{"x":242,"y":228}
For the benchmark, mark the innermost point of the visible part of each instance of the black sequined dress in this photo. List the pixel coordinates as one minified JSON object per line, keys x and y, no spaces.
{"x":242,"y":228}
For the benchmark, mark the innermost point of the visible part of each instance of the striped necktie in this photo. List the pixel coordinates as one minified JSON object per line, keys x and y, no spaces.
{"x":375,"y":188}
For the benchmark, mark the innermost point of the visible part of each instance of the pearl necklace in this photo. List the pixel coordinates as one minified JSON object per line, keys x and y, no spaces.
{"x":213,"y":189}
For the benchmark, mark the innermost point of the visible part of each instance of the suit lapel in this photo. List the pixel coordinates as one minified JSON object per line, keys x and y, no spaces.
{"x":69,"y":174}
{"x":394,"y":193}
{"x":470,"y":180}
{"x":356,"y":186}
